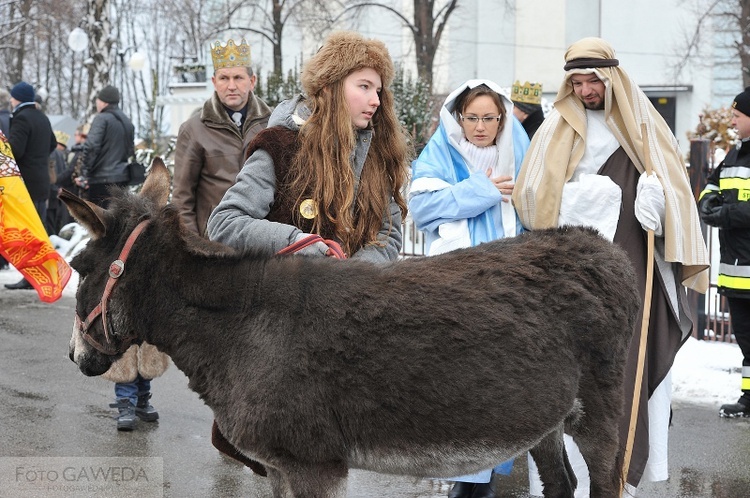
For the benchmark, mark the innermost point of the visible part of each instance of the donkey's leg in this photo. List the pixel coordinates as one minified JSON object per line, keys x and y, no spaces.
{"x":279,"y":485}
{"x":597,"y":436}
{"x":598,"y":443}
{"x":321,"y":480}
{"x":554,"y":468}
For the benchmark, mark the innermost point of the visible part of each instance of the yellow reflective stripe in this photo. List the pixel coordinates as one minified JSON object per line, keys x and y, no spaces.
{"x":709,"y":188}
{"x":734,"y":184}
{"x":745,"y":384}
{"x":742,"y":283}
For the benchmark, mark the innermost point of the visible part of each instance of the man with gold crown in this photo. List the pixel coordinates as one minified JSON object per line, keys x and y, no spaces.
{"x":604,"y":157}
{"x":211,"y":145}
{"x":527,"y":106}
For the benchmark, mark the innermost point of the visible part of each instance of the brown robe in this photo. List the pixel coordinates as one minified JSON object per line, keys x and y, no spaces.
{"x":664,"y":334}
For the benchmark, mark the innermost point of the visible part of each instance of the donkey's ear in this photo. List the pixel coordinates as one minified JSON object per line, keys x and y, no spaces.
{"x":156,"y":186}
{"x":87,"y":214}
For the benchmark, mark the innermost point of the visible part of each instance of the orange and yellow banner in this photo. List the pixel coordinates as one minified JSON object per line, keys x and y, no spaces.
{"x":23,"y":239}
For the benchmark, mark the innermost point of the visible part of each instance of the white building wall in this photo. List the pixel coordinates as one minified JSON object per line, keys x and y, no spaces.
{"x":508,"y":40}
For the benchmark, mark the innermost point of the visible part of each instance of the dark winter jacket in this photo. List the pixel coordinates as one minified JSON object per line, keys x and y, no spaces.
{"x":729,"y":187}
{"x":32,"y":140}
{"x":209,"y":155}
{"x":533,"y":121}
{"x":66,"y":179}
{"x":108,"y":146}
{"x":57,"y":162}
{"x":5,"y":121}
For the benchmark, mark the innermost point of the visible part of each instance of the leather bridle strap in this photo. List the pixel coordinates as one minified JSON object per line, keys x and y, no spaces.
{"x":334,"y":249}
{"x":116,"y":270}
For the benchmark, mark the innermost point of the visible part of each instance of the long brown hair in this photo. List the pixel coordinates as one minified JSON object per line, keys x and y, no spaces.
{"x":322,"y":167}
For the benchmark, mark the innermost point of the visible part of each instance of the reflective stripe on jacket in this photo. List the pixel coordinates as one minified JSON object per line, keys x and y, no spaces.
{"x":731,"y":179}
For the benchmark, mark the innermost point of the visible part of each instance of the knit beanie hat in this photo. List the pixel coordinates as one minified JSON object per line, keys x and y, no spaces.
{"x":109,"y":94}
{"x":23,"y":92}
{"x":343,"y":53}
{"x":742,"y":102}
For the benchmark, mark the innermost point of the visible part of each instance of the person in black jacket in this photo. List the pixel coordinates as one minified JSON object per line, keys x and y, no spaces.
{"x":4,"y":111}
{"x":106,"y":151}
{"x":31,"y":140}
{"x":5,"y":128}
{"x":527,"y":106}
{"x":724,"y":204}
{"x":107,"y":147}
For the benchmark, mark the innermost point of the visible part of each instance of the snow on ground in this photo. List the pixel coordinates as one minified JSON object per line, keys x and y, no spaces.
{"x":707,"y":372}
{"x":704,"y":372}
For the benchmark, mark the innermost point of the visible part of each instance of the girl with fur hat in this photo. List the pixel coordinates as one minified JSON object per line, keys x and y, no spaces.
{"x":460,"y":192}
{"x":332,"y":162}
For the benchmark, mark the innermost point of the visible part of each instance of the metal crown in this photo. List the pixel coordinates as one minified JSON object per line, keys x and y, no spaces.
{"x":529,"y":93}
{"x":232,"y":55}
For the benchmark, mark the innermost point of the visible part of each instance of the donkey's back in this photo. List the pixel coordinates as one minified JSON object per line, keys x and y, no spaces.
{"x":450,"y":364}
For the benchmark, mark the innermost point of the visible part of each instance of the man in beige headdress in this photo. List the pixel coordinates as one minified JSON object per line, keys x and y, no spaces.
{"x":586,"y":166}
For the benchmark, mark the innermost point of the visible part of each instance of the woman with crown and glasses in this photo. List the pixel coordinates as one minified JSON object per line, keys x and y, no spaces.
{"x":460,"y":193}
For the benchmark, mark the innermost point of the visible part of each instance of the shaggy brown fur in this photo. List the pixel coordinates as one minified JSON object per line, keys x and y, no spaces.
{"x":427,"y":366}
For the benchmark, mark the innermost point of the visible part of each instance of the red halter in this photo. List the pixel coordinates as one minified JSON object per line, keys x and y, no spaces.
{"x":116,"y":269}
{"x":334,"y":249}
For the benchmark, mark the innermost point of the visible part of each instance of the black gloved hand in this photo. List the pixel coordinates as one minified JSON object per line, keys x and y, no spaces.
{"x":715,"y":217}
{"x":710,"y":208}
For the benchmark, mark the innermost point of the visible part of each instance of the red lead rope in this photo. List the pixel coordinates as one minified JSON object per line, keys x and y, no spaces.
{"x":334,"y":249}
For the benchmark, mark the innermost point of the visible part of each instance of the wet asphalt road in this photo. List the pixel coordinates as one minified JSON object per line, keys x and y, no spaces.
{"x":49,"y":409}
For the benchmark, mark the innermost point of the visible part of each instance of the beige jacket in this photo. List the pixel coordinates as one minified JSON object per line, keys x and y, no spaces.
{"x":209,"y":155}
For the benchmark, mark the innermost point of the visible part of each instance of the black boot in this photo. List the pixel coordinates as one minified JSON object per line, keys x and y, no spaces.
{"x":462,"y":490}
{"x":144,"y":410}
{"x":732,"y":410}
{"x":22,"y":284}
{"x":126,"y":415}
{"x":483,"y":490}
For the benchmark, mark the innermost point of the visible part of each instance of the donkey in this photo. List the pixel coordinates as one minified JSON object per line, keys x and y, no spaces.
{"x":427,"y":367}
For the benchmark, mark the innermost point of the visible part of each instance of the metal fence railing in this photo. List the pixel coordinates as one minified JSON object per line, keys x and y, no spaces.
{"x":413,"y":239}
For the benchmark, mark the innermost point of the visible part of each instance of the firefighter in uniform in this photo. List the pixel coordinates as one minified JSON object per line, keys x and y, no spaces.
{"x":724,"y":204}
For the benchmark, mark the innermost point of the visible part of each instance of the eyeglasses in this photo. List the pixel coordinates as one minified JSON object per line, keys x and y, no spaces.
{"x":474,"y":120}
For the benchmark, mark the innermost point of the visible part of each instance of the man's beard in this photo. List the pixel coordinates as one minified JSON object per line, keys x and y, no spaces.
{"x":599,"y":106}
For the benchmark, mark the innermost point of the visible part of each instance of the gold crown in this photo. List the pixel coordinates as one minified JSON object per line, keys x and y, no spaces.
{"x":230,"y":56}
{"x":529,"y":93}
{"x":62,"y":137}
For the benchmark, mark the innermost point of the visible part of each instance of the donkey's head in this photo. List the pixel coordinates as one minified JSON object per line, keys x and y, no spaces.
{"x":102,"y":329}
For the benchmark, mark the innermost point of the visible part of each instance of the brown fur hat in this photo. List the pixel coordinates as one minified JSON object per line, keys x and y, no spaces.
{"x":343,"y":53}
